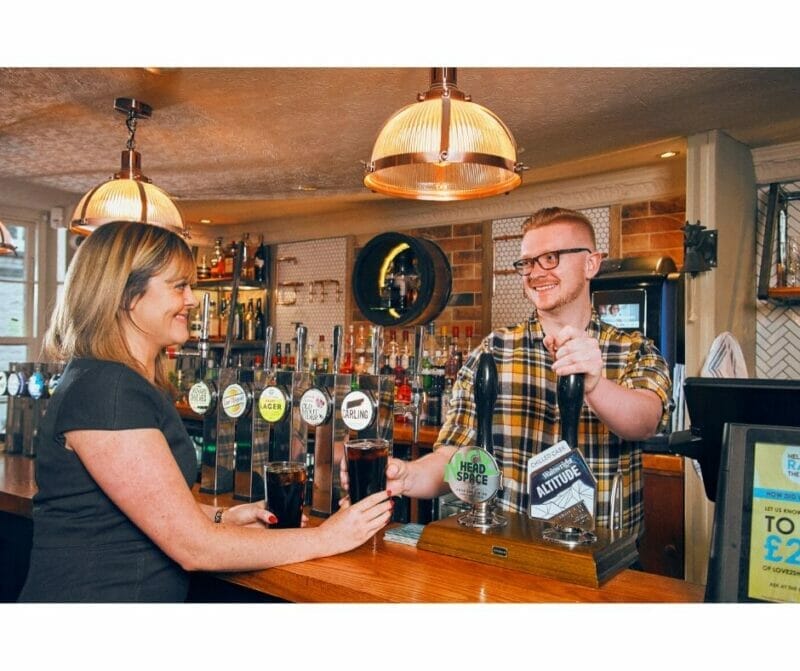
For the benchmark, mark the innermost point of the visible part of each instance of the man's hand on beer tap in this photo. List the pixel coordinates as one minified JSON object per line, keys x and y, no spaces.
{"x":575,"y":351}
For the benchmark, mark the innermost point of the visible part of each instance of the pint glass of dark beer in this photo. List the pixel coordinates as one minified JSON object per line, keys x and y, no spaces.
{"x":366,"y":466}
{"x":284,"y":492}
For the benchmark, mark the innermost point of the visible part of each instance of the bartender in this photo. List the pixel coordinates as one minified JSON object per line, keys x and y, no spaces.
{"x":626,"y":380}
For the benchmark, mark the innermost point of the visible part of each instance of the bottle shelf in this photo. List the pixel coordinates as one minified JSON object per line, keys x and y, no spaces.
{"x":219,"y":343}
{"x":784,"y":294}
{"x":226,"y":283}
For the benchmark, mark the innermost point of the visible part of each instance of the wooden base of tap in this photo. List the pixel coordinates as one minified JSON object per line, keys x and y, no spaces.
{"x":520,"y":546}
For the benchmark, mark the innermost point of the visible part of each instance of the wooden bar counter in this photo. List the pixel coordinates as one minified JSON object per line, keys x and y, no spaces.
{"x":386,"y":572}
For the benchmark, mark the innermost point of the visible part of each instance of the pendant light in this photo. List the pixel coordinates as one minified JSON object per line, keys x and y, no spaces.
{"x":444,"y":147}
{"x":129,"y":195}
{"x":6,"y":245}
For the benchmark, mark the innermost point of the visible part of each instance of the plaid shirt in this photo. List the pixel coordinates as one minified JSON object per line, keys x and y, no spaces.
{"x":526,"y":416}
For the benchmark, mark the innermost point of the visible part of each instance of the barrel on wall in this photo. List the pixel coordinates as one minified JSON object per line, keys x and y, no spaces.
{"x":400,"y":280}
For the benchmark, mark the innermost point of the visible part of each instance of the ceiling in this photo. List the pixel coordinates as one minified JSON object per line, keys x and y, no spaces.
{"x":246,"y":145}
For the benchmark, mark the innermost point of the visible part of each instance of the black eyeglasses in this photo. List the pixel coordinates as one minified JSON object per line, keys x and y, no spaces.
{"x":546,"y":261}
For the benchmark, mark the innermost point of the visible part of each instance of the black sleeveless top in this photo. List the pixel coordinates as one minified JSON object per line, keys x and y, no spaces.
{"x":84,"y":547}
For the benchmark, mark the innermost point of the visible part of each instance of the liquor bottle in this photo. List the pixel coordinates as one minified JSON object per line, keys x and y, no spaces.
{"x":261,"y":323}
{"x":425,"y":369}
{"x":223,"y":317}
{"x":203,"y":269}
{"x":346,"y":367}
{"x":311,"y":358}
{"x":386,"y":368}
{"x":195,"y":324}
{"x":399,"y":374}
{"x":260,"y":262}
{"x":238,"y":322}
{"x":468,"y":344}
{"x":230,"y":257}
{"x":249,"y":326}
{"x":451,"y":367}
{"x":405,"y":353}
{"x":288,"y":360}
{"x":276,"y":358}
{"x":361,"y":351}
{"x":213,"y":320}
{"x":217,"y":263}
{"x":248,"y":253}
{"x":393,"y":349}
{"x":323,"y":356}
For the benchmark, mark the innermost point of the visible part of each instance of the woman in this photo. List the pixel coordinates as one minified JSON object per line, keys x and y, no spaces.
{"x":114,"y":517}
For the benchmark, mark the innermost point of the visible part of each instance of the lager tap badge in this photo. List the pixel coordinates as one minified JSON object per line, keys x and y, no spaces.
{"x":272,"y":404}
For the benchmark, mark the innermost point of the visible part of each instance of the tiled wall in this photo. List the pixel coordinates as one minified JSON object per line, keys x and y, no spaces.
{"x":778,"y":324}
{"x":305,"y":262}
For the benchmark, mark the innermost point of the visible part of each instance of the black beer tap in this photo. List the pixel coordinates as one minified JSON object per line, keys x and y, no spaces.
{"x":485,"y":397}
{"x":570,"y":401}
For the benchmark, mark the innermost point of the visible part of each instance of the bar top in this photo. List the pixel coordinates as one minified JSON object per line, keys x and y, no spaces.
{"x":386,"y":572}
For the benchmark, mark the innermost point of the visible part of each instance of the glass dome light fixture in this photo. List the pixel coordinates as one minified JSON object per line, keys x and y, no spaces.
{"x":444,"y":147}
{"x":128,"y":195}
{"x":6,"y":244}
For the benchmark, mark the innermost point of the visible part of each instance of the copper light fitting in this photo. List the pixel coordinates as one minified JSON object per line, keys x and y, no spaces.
{"x":129,"y":195}
{"x":444,"y":147}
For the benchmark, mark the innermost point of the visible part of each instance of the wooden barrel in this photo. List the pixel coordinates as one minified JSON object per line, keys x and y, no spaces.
{"x":400,"y":280}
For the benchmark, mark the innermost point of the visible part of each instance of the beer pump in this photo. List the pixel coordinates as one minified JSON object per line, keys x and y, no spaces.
{"x":567,"y":546}
{"x":320,"y":406}
{"x":253,"y":429}
{"x":20,"y":408}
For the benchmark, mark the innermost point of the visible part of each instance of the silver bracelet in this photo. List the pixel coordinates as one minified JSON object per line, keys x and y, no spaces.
{"x":218,"y":515}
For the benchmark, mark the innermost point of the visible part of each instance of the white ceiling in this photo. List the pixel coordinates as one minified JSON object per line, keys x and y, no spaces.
{"x":239,"y":145}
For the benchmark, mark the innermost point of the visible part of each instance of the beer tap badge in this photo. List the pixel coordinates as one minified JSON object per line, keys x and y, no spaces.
{"x":358,"y":410}
{"x":272,"y":404}
{"x":315,"y":406}
{"x":473,"y":475}
{"x":562,"y":488}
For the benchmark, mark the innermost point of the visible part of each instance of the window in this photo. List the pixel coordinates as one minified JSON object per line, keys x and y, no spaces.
{"x":21,"y":296}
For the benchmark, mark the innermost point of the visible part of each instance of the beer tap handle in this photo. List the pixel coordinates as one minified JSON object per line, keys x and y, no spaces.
{"x":416,"y":382}
{"x":485,"y":397}
{"x":237,"y":270}
{"x":202,"y":344}
{"x":300,"y":355}
{"x":268,"y":334}
{"x":570,"y":400}
{"x":377,"y":348}
{"x":338,"y":340}
{"x":419,"y":348}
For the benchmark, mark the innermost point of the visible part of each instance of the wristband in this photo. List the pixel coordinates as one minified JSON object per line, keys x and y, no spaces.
{"x":218,"y":515}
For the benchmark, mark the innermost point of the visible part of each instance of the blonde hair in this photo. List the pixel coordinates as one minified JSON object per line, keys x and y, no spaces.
{"x":110,"y":269}
{"x":559,"y":215}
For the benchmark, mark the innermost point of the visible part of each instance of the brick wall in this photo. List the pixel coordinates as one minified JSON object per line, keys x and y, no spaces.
{"x":653,"y":228}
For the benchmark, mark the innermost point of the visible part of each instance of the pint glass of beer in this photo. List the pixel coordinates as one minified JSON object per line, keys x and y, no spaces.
{"x":284,"y":492}
{"x":366,"y":466}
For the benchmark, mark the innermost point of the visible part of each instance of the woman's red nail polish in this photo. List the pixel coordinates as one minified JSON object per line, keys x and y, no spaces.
{"x":272,"y":519}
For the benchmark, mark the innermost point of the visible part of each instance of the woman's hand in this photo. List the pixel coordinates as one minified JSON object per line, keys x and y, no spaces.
{"x":249,"y":514}
{"x":356,"y":523}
